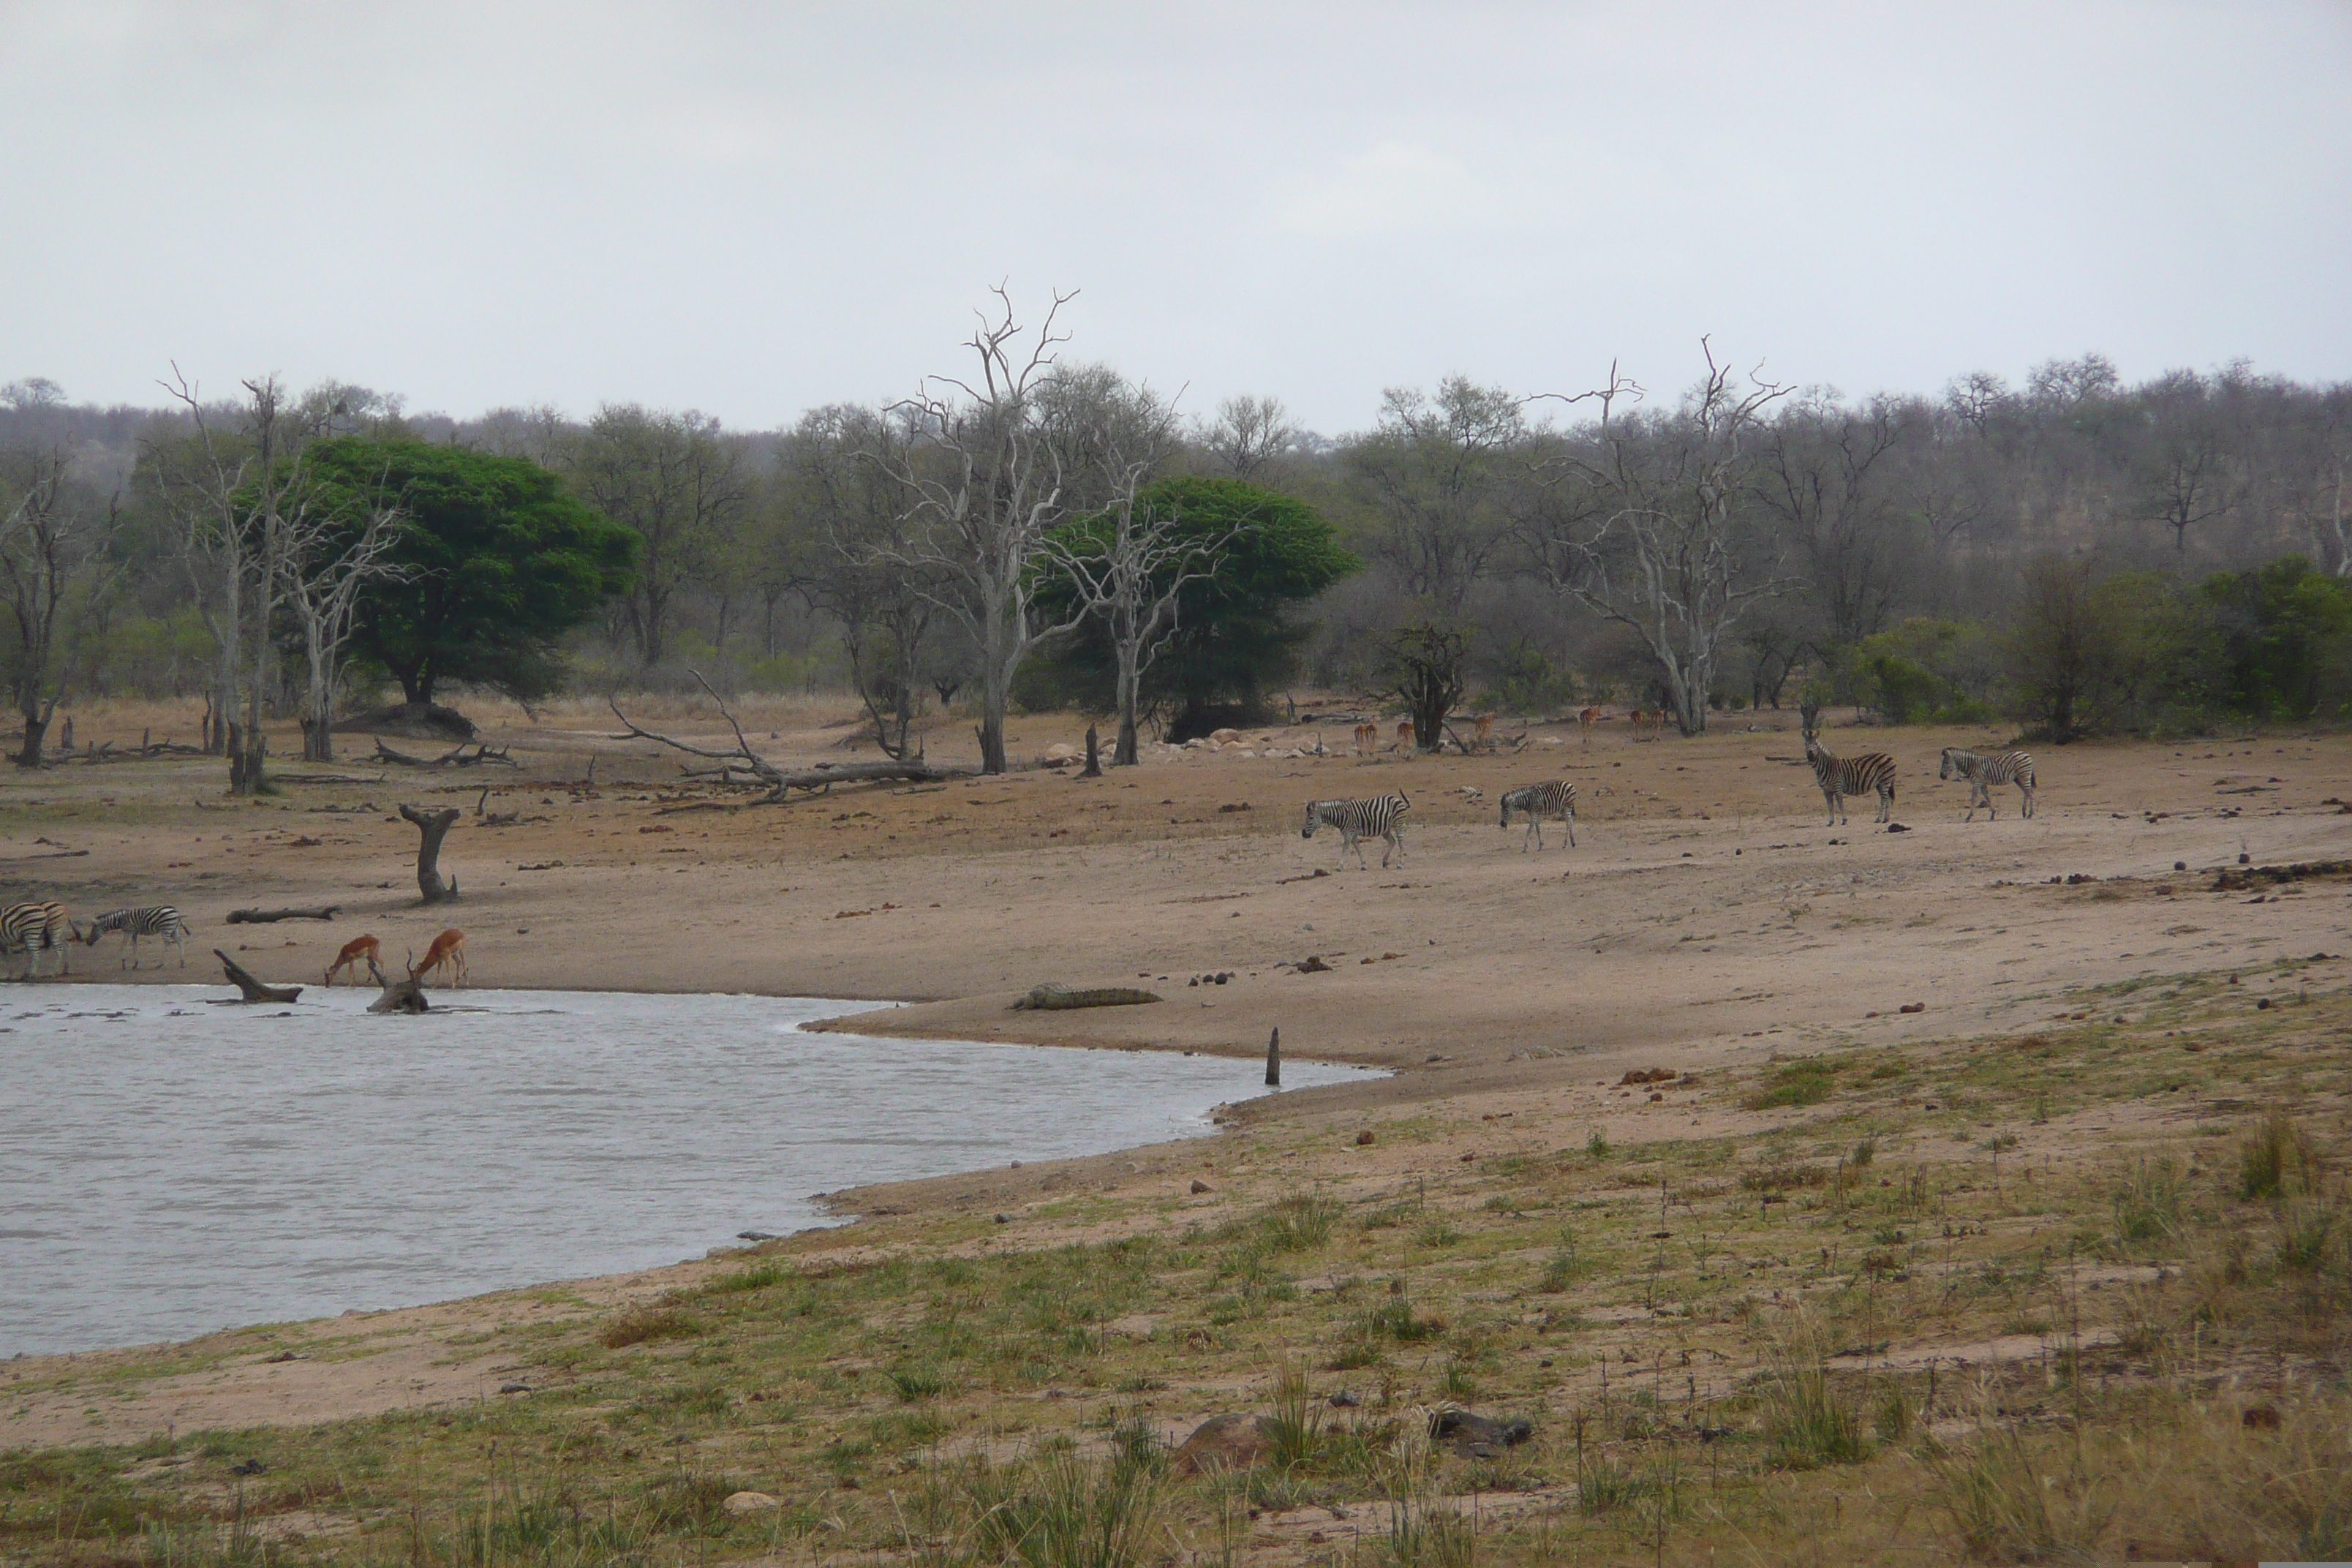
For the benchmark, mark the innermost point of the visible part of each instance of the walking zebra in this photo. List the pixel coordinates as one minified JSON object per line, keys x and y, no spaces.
{"x":33,"y":928}
{"x":1533,"y":802}
{"x":1852,"y":775}
{"x":1985,"y":769}
{"x":1381,"y":816}
{"x":151,"y":919}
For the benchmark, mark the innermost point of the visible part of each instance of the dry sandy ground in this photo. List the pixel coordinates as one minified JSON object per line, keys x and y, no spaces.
{"x":1706,"y":918}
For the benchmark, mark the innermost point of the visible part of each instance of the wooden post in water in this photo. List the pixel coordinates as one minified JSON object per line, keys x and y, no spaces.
{"x":1274,"y":1058}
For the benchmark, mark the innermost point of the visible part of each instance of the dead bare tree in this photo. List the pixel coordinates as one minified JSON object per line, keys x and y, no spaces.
{"x":431,"y":827}
{"x":1662,"y":542}
{"x":1249,"y":435}
{"x":330,"y":562}
{"x":1130,"y":566}
{"x":53,"y":544}
{"x":985,"y":491}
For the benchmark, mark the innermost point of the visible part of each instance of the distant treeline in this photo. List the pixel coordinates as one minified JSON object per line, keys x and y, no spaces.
{"x":2075,"y":554}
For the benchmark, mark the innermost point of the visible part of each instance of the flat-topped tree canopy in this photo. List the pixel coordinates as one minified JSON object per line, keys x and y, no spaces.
{"x":506,"y":560}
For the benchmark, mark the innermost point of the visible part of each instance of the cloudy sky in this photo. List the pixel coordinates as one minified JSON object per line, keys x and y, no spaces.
{"x":754,"y":208}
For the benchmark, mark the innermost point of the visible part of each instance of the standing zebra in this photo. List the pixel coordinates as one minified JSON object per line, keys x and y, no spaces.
{"x":35,"y":927}
{"x":1985,"y":769}
{"x":151,"y":919}
{"x":1381,"y":816}
{"x":1850,"y":775}
{"x":1533,"y":802}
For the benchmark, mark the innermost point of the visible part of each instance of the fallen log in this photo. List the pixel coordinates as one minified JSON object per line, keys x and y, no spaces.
{"x":271,"y":917}
{"x":254,"y":991}
{"x":742,"y":759}
{"x":1051,"y":998}
{"x":402,"y":996}
{"x":326,"y":778}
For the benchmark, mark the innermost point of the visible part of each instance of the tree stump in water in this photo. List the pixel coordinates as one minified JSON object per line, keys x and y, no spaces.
{"x":254,"y":991}
{"x":434,"y":827}
{"x":404,"y":996}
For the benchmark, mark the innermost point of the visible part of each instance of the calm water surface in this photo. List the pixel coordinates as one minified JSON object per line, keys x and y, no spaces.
{"x":169,"y":1167}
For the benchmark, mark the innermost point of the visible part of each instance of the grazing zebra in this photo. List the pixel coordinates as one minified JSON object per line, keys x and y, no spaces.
{"x":1985,"y":769}
{"x":32,"y":928}
{"x":1381,"y":816}
{"x":1852,"y":775}
{"x":153,"y":920}
{"x":1533,"y":802}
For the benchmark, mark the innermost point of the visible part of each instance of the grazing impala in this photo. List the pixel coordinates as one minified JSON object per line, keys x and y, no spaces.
{"x":358,"y":951}
{"x":1585,"y":719}
{"x":1368,"y":739}
{"x":447,"y":954}
{"x":1484,"y":735}
{"x":1404,"y":735}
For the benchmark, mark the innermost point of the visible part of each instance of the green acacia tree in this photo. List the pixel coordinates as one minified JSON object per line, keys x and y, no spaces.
{"x":1233,"y":634}
{"x":499,"y":562}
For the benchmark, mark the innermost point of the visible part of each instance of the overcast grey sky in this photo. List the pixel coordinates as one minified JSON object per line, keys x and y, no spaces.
{"x":751,"y":209}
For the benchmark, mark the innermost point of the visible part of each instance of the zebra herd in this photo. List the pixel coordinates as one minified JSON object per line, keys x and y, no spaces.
{"x":42,"y":925}
{"x":1872,"y":772}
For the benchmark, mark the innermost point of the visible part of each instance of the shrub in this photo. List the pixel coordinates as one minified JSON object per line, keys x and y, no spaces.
{"x":647,"y":1325}
{"x":1807,"y":1082}
{"x":2278,"y":1158}
{"x":1805,"y":1422}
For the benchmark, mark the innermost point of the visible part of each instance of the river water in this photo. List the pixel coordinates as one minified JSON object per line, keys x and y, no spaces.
{"x":169,"y":1167}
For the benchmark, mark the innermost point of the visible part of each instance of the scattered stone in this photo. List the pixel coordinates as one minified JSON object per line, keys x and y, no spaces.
{"x":750,"y":1502}
{"x":1365,"y":1137}
{"x":1004,"y":1219}
{"x":1312,"y":964}
{"x":1230,"y":1442}
{"x":1913,"y":1007}
{"x":247,"y":1468}
{"x":1479,"y":1436}
{"x":1896,"y":827}
{"x":1344,"y":1399}
{"x":514,"y":1388}
{"x":2261,"y":1418}
{"x":1230,"y":807}
{"x":1200,"y":1187}
{"x":2181,"y":864}
{"x":1652,"y":1075}
{"x":755,"y":1236}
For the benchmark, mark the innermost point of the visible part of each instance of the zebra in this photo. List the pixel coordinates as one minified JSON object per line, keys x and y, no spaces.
{"x":1536,"y":801}
{"x":1985,"y":769}
{"x":153,"y":920}
{"x":35,"y":927}
{"x":1853,"y":776}
{"x":1381,"y":816}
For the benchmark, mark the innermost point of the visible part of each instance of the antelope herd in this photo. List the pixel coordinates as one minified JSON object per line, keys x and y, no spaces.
{"x":42,"y":925}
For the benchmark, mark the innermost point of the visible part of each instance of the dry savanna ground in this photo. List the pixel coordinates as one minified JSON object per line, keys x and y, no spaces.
{"x":1983,"y":1198}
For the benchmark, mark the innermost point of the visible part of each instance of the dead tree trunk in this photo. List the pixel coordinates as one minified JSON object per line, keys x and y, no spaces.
{"x":1094,"y":755}
{"x":254,"y":991}
{"x":404,"y":996}
{"x":433,"y":826}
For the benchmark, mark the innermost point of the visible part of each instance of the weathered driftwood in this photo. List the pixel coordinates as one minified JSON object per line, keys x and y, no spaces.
{"x":271,"y":917}
{"x":1051,"y":998}
{"x":326,"y":778}
{"x":457,"y":756}
{"x":431,"y":827}
{"x":758,"y":770}
{"x":254,"y":991}
{"x":402,"y":996}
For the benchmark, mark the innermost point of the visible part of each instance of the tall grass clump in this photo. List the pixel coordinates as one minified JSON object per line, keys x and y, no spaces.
{"x":2147,"y":1201}
{"x":1067,"y":1513}
{"x":1294,"y":1431}
{"x":646,"y":1325}
{"x":1804,"y":1421}
{"x":2277,"y":1159}
{"x":1806,"y":1082}
{"x":2006,"y":1508}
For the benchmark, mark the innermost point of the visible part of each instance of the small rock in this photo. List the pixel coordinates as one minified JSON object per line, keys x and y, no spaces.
{"x":1200,"y":1187}
{"x":1365,"y":1137}
{"x":2261,"y":1418}
{"x":1896,"y":827}
{"x":1479,"y":1436}
{"x":750,"y":1502}
{"x":1913,"y":1007}
{"x":247,"y":1468}
{"x":281,"y":1355}
{"x":2181,"y":864}
{"x":514,"y":1388}
{"x":1230,"y":1442}
{"x":755,"y":1236}
{"x":1344,"y":1399}
{"x":1314,"y":964}
{"x":1004,"y":1219}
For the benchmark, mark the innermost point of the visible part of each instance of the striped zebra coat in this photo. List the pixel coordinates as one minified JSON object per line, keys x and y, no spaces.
{"x":1840,"y":777}
{"x":36,"y":928}
{"x":151,"y":920}
{"x":1532,"y":803}
{"x":1985,"y":769}
{"x":1381,"y":816}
